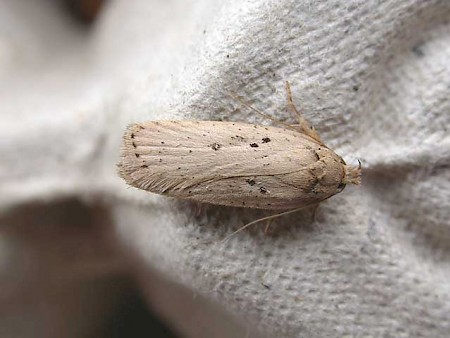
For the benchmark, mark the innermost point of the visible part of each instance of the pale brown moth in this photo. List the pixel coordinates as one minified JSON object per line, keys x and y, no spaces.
{"x":235,"y":164}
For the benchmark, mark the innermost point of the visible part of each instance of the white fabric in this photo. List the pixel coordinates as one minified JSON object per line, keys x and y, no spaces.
{"x":372,"y":76}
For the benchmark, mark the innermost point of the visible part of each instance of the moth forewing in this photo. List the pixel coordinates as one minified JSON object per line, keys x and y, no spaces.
{"x":232,"y":164}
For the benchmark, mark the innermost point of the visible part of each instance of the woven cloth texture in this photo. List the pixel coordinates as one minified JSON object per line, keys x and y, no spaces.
{"x":372,"y":76}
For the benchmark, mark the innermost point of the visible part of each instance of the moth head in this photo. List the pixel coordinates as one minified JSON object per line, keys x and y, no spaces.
{"x":352,"y":175}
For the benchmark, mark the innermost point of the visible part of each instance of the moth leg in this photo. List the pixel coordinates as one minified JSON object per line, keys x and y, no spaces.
{"x":314,"y":210}
{"x":199,"y":209}
{"x":266,"y":229}
{"x":303,"y":125}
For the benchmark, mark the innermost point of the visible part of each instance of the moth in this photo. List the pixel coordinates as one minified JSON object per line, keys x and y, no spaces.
{"x":235,"y":164}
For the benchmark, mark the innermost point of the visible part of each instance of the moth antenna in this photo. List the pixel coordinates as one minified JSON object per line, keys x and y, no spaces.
{"x":264,"y":219}
{"x":234,"y":96}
